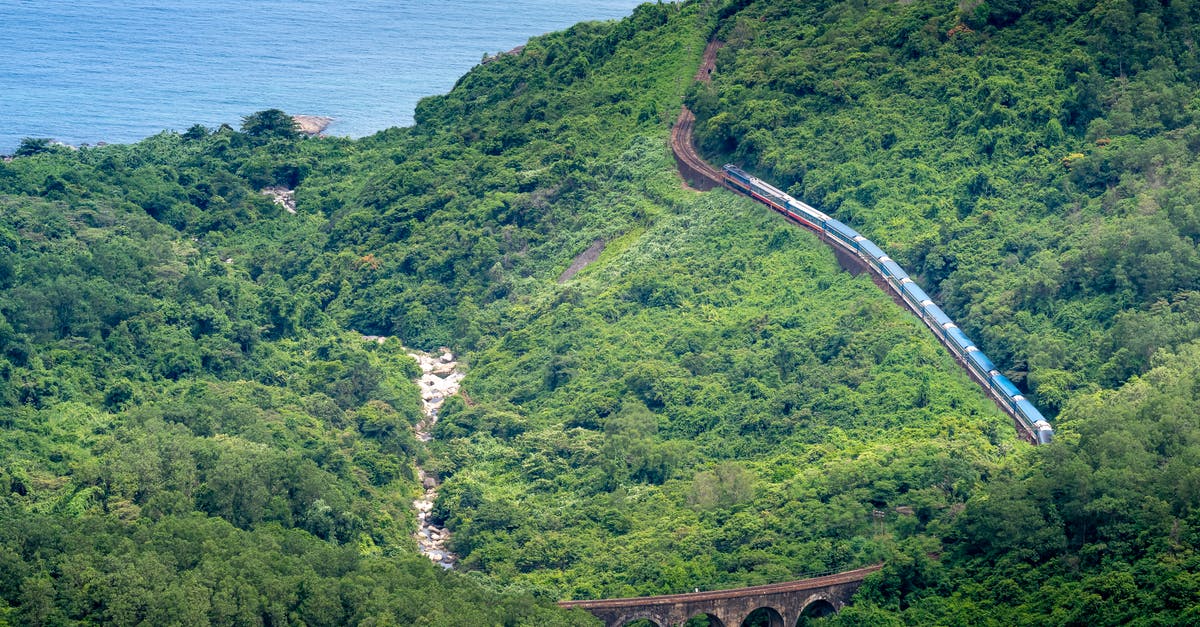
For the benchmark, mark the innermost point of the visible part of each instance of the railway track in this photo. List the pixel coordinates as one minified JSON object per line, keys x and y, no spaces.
{"x":703,"y":176}
{"x":695,"y":170}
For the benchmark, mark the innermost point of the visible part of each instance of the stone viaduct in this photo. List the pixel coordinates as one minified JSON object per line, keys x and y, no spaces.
{"x":784,"y":603}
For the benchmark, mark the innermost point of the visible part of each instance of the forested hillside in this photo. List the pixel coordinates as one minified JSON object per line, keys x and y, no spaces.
{"x":193,"y":428}
{"x":1033,"y":162}
{"x":183,"y":443}
{"x":1035,"y":165}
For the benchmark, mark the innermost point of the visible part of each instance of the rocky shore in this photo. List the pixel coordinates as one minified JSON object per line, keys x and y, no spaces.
{"x":312,"y":124}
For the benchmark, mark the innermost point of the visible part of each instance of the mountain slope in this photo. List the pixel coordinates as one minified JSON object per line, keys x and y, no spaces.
{"x":1034,"y":163}
{"x":710,"y":403}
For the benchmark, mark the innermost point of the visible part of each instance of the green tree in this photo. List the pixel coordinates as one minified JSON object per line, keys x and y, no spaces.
{"x":30,"y":146}
{"x":270,"y":124}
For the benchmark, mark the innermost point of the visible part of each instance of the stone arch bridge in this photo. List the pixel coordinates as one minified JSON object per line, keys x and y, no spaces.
{"x":784,"y":604}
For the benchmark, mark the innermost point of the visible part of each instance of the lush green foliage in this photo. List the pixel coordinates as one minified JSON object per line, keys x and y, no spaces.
{"x":192,"y":569}
{"x":1101,"y":529}
{"x":183,"y":443}
{"x":1033,"y":162}
{"x":193,"y":429}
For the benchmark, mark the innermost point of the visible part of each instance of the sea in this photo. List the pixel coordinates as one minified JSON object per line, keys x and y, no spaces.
{"x":116,"y":71}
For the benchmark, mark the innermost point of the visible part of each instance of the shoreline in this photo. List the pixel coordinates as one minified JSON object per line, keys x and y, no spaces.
{"x":312,"y":124}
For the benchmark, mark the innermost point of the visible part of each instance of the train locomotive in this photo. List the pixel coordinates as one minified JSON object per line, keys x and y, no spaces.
{"x":976,"y":362}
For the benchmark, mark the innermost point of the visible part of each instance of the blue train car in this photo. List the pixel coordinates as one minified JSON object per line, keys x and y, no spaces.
{"x":980,"y":362}
{"x":737,"y":179}
{"x":1041,"y":428}
{"x":1005,"y":387}
{"x":959,"y":339}
{"x":939,"y":317}
{"x":915,"y":295}
{"x":871,"y":250}
{"x":892,"y":270}
{"x":735,"y":172}
{"x":842,"y":233}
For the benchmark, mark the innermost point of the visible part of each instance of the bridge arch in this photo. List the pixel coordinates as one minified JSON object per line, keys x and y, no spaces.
{"x":639,"y":620}
{"x":704,"y":619}
{"x":815,"y":608}
{"x":764,"y":617}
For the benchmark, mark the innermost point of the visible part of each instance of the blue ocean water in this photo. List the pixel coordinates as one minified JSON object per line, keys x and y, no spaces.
{"x":86,"y":71}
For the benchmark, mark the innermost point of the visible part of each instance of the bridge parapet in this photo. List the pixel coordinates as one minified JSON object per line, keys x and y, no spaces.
{"x":786,"y":602}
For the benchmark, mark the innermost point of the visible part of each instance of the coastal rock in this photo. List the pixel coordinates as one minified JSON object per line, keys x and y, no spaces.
{"x":312,"y":124}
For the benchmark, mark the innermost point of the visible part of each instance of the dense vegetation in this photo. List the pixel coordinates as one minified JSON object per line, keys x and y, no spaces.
{"x":181,"y":442}
{"x":194,"y":430}
{"x":1035,"y":164}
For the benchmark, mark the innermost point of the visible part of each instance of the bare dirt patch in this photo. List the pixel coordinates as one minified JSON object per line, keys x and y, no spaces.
{"x":582,"y":260}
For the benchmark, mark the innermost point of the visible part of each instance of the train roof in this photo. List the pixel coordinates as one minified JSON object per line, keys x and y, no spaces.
{"x":772,"y":190}
{"x":1031,"y":413}
{"x":939,"y":317}
{"x":808,"y":209}
{"x":895,"y":270}
{"x":871,"y":249}
{"x":915,"y":292}
{"x":981,"y":361}
{"x":841,"y":229}
{"x":1010,"y":390}
{"x":959,"y":338}
{"x":737,"y":173}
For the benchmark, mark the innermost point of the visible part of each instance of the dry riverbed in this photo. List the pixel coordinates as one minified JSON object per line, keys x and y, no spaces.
{"x":440,"y":378}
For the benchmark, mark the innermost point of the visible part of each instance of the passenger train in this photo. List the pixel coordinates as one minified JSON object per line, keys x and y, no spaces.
{"x":998,"y":385}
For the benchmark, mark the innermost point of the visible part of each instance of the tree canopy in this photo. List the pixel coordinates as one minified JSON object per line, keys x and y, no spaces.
{"x":194,"y":428}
